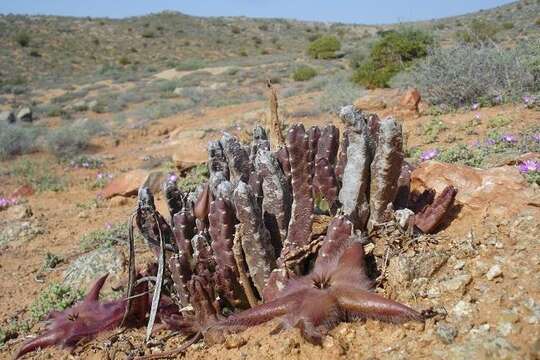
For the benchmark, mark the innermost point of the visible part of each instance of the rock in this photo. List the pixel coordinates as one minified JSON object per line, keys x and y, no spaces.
{"x":498,"y":193}
{"x":505,"y":328}
{"x":370,"y":102}
{"x":410,"y":100}
{"x":7,"y":116}
{"x":462,"y":309}
{"x":87,"y":268}
{"x":446,"y":332}
{"x":118,"y":201}
{"x":482,"y":347}
{"x":19,"y":230}
{"x":25,"y":114}
{"x":456,"y":284}
{"x":18,"y":212}
{"x":22,"y":191}
{"x":494,"y":272}
{"x":234,"y":341}
{"x":126,"y":184}
{"x":402,"y":270}
{"x":154,"y":181}
{"x":178,"y":91}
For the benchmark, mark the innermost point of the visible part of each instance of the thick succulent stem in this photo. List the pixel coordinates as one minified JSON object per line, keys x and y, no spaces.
{"x":217,"y":162}
{"x":325,"y":186}
{"x":328,"y":144}
{"x":335,"y":242}
{"x":242,"y":267}
{"x":277,"y":197}
{"x":256,"y":243}
{"x":432,"y":215}
{"x":342,"y":158}
{"x":385,"y":170}
{"x":314,"y":134}
{"x":237,"y":158}
{"x":403,"y":186}
{"x":180,"y":265}
{"x":282,"y":156}
{"x":299,"y":232}
{"x":221,"y":230}
{"x":355,"y":182}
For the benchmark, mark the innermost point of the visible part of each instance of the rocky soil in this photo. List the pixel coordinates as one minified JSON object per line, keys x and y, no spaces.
{"x":481,"y":272}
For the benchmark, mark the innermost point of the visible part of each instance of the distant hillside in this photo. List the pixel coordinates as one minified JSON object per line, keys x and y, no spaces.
{"x":51,"y":49}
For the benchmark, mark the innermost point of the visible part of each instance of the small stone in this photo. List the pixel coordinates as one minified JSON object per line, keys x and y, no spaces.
{"x":25,"y":114}
{"x":504,"y":328}
{"x":494,"y":272}
{"x":462,"y":309}
{"x":7,"y":116}
{"x":22,"y":191}
{"x":458,"y":283}
{"x":433,"y":293}
{"x":459,"y":265}
{"x":18,"y":212}
{"x":118,"y":201}
{"x":446,"y":332}
{"x":235,"y":342}
{"x":83,"y":215}
{"x":334,"y":346}
{"x":93,"y":105}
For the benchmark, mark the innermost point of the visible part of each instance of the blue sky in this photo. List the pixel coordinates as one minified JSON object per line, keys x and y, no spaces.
{"x":349,"y":11}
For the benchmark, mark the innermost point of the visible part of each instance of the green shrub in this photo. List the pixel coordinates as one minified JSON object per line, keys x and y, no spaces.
{"x":394,"y":51}
{"x":372,"y":76}
{"x":433,"y":129}
{"x":148,"y":34}
{"x":56,"y":297}
{"x":196,"y":176}
{"x":324,"y":47}
{"x":124,"y":60}
{"x":17,"y":140}
{"x":465,"y":74}
{"x":508,"y":25}
{"x":70,"y":140}
{"x":303,"y":73}
{"x":461,"y":154}
{"x":23,"y":39}
{"x":191,"y":65}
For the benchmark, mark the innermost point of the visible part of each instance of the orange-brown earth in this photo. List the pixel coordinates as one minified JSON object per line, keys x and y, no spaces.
{"x":497,"y":318}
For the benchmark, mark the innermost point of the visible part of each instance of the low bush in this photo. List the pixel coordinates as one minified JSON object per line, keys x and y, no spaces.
{"x":70,"y":140}
{"x":23,"y":39}
{"x":393,"y":52}
{"x":190,"y":65}
{"x":466,"y":74}
{"x":17,"y":140}
{"x":338,"y":92}
{"x":324,"y":47}
{"x":303,"y":73}
{"x":55,"y":297}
